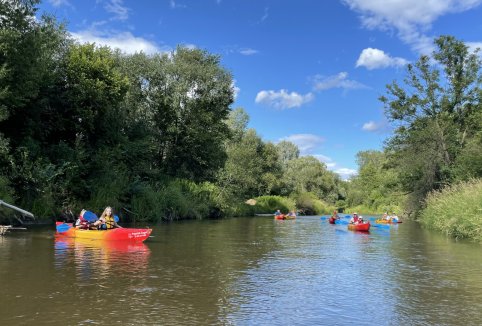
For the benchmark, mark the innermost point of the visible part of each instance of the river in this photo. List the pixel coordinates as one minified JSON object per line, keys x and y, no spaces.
{"x":243,"y":271}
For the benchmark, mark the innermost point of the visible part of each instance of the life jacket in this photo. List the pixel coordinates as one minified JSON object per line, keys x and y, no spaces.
{"x":355,"y":219}
{"x":82,"y":223}
{"x":109,"y":222}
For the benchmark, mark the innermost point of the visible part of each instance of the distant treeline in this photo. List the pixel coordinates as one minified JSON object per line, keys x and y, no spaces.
{"x":154,"y":136}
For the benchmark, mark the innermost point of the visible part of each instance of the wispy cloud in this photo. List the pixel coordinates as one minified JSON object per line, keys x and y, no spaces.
{"x":371,"y":58}
{"x":305,"y":142}
{"x":345,"y":173}
{"x":411,"y":19}
{"x":124,"y":41}
{"x":59,"y":3}
{"x":282,"y":99}
{"x":174,"y":5}
{"x":265,"y":15}
{"x":340,"y":80}
{"x":117,"y":8}
{"x":248,"y":51}
{"x":236,"y":49}
{"x":235,"y":89}
{"x":378,"y":127}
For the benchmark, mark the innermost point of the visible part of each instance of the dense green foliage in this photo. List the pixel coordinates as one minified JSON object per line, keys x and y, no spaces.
{"x":154,"y":136}
{"x":456,"y":210}
{"x":437,"y":112}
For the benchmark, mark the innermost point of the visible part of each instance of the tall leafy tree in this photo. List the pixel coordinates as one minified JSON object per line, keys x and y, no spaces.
{"x":433,"y":111}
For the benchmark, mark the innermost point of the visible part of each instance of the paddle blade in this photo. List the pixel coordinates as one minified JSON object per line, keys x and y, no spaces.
{"x":342,"y":222}
{"x":64,"y":227}
{"x":382,"y":226}
{"x":116,"y":218}
{"x":90,"y":217}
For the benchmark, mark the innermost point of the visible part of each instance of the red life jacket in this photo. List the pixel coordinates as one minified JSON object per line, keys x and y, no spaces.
{"x":82,"y":223}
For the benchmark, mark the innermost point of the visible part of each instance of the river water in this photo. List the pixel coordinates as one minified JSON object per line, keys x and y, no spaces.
{"x":243,"y":271}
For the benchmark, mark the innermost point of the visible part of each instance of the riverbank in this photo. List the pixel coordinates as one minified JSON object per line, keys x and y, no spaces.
{"x":456,"y":211}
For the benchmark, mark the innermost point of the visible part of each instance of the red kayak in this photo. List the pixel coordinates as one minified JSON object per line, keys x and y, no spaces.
{"x":126,"y":234}
{"x":359,"y":227}
{"x":331,"y":220}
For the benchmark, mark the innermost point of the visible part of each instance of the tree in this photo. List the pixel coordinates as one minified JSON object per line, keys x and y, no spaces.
{"x":287,"y":151}
{"x":434,"y":111}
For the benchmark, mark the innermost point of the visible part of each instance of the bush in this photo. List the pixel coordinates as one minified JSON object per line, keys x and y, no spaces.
{"x":310,"y":204}
{"x":269,"y":204}
{"x":456,"y":210}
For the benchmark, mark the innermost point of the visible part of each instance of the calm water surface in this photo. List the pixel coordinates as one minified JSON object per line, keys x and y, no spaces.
{"x":244,"y":271}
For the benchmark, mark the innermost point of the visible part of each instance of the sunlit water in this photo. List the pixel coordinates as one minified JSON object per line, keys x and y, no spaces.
{"x":243,"y":271}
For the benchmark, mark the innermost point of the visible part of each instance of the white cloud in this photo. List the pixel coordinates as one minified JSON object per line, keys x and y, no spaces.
{"x":305,"y":142}
{"x":374,"y":58}
{"x":474,"y":46}
{"x":379,"y":127}
{"x":58,"y":3}
{"x":124,"y":41}
{"x":248,"y":51}
{"x":175,"y":4}
{"x":410,"y":18}
{"x":265,"y":16}
{"x":345,"y":173}
{"x":282,"y":99}
{"x":235,"y":89}
{"x":340,"y":80}
{"x":117,"y":8}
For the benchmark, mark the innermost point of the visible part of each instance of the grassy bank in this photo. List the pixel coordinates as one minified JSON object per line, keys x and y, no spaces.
{"x":456,"y":211}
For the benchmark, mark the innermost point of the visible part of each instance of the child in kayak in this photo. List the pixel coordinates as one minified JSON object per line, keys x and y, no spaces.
{"x":106,"y":221}
{"x":81,"y":222}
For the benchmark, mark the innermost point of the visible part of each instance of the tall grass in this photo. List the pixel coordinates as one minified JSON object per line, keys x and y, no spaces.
{"x":269,"y":204}
{"x":456,"y":210}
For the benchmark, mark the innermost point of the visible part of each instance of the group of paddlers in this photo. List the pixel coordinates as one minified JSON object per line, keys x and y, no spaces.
{"x":104,"y":222}
{"x":290,"y":213}
{"x":358,"y":219}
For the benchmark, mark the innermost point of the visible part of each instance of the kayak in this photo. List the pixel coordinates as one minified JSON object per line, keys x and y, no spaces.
{"x":332,"y":220}
{"x":117,"y":234}
{"x":381,"y":221}
{"x":284,"y":217}
{"x":359,"y":227}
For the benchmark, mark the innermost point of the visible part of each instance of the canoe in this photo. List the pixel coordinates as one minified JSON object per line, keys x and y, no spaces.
{"x":359,"y":227}
{"x":331,"y":220}
{"x":117,"y":234}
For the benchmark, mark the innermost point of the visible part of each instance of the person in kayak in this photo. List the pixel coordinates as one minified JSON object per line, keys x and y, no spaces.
{"x":354,"y":219}
{"x":106,"y":221}
{"x":277,"y":213}
{"x":81,"y":222}
{"x":292,"y":214}
{"x":335,"y":215}
{"x":394,"y":218}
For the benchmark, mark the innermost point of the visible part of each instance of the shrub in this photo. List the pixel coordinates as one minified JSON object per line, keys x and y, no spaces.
{"x":456,"y":210}
{"x":269,"y":204}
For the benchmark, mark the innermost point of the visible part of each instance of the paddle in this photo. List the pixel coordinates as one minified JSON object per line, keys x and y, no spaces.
{"x":342,"y":222}
{"x":382,"y":226}
{"x":64,"y":227}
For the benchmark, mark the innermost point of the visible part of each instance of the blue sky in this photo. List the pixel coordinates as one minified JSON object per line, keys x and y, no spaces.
{"x":306,"y":71}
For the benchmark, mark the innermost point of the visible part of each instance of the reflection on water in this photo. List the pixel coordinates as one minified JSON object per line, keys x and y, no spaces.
{"x":95,"y":260}
{"x":245,"y":271}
